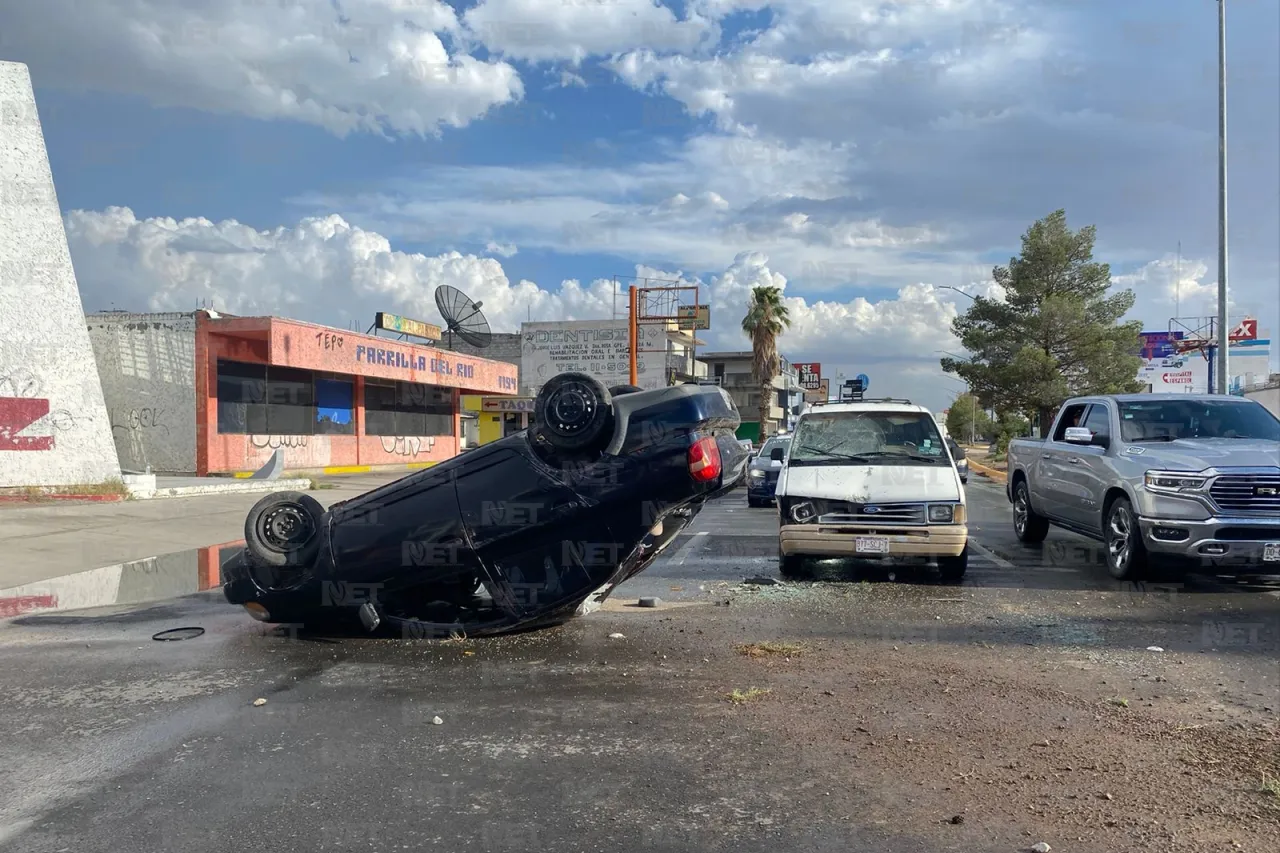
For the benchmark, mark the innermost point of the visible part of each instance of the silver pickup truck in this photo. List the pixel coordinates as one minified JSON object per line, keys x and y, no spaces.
{"x":1160,"y":479}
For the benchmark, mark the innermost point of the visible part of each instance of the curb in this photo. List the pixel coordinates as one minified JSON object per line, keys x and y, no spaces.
{"x":231,"y":487}
{"x":36,"y":499}
{"x":338,"y":469}
{"x":989,"y":473}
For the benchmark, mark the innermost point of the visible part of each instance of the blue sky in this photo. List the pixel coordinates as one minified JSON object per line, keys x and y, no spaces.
{"x":861,"y":153}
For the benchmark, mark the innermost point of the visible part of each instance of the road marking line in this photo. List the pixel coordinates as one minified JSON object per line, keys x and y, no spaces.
{"x":683,"y":554}
{"x":999,"y":561}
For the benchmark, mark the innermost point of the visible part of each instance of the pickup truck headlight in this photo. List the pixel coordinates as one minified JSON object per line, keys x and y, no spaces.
{"x":756,"y":474}
{"x":1174,"y":482}
{"x":946,"y":513}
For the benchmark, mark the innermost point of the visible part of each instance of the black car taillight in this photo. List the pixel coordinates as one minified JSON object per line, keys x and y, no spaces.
{"x":704,"y":460}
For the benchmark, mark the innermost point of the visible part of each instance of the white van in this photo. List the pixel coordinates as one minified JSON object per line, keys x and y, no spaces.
{"x":871,"y":480}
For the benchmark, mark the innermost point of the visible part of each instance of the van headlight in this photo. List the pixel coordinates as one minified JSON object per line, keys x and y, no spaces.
{"x":946,"y":513}
{"x":802,"y":512}
{"x":1173,"y":482}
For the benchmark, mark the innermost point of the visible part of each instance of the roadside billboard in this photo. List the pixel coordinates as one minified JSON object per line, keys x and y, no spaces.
{"x":599,"y":348}
{"x":1177,"y":374}
{"x":819,"y":394}
{"x":810,"y":375}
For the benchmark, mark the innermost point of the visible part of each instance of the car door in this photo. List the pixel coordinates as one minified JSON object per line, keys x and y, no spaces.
{"x":1083,"y":472}
{"x":1050,"y":492}
{"x":540,"y":540}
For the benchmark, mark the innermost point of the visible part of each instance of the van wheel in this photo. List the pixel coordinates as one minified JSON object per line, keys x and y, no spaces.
{"x":1029,"y":526}
{"x":791,"y":565}
{"x":573,"y":412}
{"x":952,"y":569}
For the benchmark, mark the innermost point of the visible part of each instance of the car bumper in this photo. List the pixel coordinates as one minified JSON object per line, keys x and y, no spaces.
{"x":761,"y":490}
{"x":819,"y":540}
{"x":1220,"y":541}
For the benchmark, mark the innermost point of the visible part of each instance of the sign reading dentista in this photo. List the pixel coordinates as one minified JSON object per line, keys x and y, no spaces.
{"x":320,"y":348}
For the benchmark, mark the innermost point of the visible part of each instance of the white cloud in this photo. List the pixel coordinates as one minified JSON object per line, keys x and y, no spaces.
{"x":325,"y":270}
{"x":378,"y":65}
{"x":506,"y":250}
{"x":544,"y":30}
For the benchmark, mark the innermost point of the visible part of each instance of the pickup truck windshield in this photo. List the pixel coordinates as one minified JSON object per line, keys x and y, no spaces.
{"x":866,"y":438}
{"x":1168,"y":420}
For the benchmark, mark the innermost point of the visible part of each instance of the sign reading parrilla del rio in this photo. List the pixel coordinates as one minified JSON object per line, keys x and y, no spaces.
{"x":396,"y":358}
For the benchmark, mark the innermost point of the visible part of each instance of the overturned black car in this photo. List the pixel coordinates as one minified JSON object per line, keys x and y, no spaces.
{"x":525,"y":532}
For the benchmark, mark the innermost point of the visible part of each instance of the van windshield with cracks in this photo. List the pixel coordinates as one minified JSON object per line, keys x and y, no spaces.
{"x":866,"y":438}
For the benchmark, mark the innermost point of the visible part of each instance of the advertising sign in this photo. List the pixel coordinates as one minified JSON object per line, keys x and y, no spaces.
{"x":694,"y":317}
{"x":405,"y":326}
{"x":599,"y":348}
{"x":1159,"y":344}
{"x":820,"y":394}
{"x":1179,"y":374}
{"x":810,"y":375}
{"x":507,"y":404}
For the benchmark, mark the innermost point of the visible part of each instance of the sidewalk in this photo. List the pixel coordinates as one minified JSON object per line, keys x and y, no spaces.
{"x":42,"y":541}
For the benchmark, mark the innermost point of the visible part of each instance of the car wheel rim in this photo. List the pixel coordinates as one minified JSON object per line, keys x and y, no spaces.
{"x":1020,"y":511}
{"x":285,"y":528}
{"x":571,"y":409}
{"x":1121,"y":531}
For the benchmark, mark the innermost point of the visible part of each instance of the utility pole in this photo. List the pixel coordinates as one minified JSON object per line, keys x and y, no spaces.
{"x":1224,"y":331}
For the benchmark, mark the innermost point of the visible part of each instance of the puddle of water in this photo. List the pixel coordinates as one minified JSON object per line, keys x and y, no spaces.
{"x":138,"y":582}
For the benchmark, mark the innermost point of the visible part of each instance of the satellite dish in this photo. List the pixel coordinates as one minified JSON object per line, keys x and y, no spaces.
{"x":462,"y":317}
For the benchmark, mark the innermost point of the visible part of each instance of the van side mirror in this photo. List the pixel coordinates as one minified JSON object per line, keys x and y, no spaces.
{"x":777,"y":454}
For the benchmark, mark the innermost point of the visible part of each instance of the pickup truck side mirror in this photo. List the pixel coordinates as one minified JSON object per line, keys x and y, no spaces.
{"x":777,"y":454}
{"x":1077,"y":435}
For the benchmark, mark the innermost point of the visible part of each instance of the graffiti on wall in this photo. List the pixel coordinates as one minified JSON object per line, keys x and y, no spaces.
{"x":275,"y":442}
{"x":22,"y":408}
{"x":137,"y":420}
{"x":410,"y":445}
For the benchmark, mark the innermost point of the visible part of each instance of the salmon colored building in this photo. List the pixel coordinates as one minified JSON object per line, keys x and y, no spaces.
{"x":332,"y":400}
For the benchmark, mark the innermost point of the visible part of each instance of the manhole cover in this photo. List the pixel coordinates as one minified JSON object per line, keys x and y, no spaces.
{"x":178,"y":634}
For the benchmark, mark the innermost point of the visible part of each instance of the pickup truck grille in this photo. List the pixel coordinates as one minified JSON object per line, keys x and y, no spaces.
{"x":842,"y":512}
{"x":1247,"y":492}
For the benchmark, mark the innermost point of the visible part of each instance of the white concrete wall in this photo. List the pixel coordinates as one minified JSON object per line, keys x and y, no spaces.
{"x":147,"y":366}
{"x":54,"y":429}
{"x":1269,"y":397}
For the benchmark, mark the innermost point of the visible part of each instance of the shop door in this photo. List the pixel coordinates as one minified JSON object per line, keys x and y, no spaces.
{"x":512,"y":422}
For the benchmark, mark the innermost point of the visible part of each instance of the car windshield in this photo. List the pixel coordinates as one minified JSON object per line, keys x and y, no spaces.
{"x":867,"y":438}
{"x":1167,"y":420}
{"x":769,"y":445}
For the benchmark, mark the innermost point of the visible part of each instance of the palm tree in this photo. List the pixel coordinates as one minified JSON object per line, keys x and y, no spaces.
{"x":766,"y":319}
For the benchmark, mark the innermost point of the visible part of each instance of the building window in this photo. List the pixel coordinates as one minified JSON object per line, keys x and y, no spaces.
{"x":291,"y":402}
{"x":407,"y":408}
{"x":335,"y":407}
{"x":242,"y":398}
{"x":259,"y":399}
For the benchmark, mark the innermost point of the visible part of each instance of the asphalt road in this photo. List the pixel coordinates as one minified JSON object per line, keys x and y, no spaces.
{"x":566,"y":739}
{"x":730,"y":542}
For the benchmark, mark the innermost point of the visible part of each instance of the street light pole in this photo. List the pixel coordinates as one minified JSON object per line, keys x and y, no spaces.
{"x":1224,"y":342}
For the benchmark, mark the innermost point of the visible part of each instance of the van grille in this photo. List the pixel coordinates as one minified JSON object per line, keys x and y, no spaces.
{"x":842,"y":512}
{"x":1247,"y":492}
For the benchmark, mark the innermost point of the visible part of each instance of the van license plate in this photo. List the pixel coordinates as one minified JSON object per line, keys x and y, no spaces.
{"x":876,"y":545}
{"x":1271,"y":552}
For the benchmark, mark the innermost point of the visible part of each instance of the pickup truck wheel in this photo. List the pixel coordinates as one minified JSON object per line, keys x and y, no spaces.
{"x":1030,"y":527}
{"x":1126,"y":555}
{"x":952,"y":569}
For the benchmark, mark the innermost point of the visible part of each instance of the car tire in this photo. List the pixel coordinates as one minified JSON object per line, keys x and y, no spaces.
{"x":952,"y":569}
{"x":1125,"y":554}
{"x":619,"y":390}
{"x":573,"y":412}
{"x":791,"y":565}
{"x":284,"y":529}
{"x":1029,"y":526}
